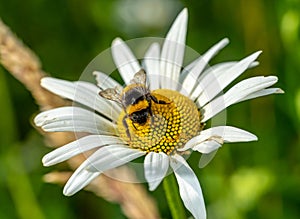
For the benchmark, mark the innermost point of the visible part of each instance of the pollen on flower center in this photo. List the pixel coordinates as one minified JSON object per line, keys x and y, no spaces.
{"x":169,"y":128}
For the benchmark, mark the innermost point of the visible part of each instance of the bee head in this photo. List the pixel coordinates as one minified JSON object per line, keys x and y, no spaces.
{"x":140,"y":117}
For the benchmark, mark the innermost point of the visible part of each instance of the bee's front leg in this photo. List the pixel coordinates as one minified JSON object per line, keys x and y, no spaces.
{"x":126,"y":127}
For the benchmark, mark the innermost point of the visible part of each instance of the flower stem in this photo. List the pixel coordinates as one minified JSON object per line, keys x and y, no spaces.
{"x":174,"y":201}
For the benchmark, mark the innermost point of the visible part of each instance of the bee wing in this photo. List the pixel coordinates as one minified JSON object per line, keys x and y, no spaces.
{"x":139,"y":77}
{"x":111,"y":94}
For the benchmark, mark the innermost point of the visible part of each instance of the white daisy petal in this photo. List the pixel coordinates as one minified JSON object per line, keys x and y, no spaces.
{"x":87,"y":85}
{"x":156,"y":166}
{"x":73,"y":119}
{"x":221,"y":68}
{"x":217,"y":70}
{"x":224,"y":66}
{"x":237,"y":93}
{"x":189,"y":187}
{"x":206,"y":158}
{"x":72,"y":126}
{"x":124,"y":59}
{"x":248,"y":87}
{"x":103,"y":159}
{"x":212,"y":85}
{"x":151,"y":61}
{"x":197,"y":66}
{"x":212,"y":138}
{"x":214,"y":50}
{"x":207,"y":147}
{"x":207,"y":56}
{"x":191,"y":78}
{"x":115,"y":107}
{"x":111,"y":156}
{"x":214,"y":71}
{"x":79,"y":146}
{"x":79,"y":180}
{"x":173,"y":51}
{"x":104,"y":81}
{"x":79,"y":93}
{"x":261,"y":93}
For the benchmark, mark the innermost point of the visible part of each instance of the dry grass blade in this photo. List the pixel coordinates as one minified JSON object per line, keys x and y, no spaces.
{"x":24,"y":65}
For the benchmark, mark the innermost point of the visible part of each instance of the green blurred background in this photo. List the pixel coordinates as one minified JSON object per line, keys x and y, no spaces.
{"x":248,"y":180}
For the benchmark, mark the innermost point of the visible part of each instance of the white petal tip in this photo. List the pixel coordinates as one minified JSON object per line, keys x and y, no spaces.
{"x":279,"y":91}
{"x":255,"y":55}
{"x":225,"y":41}
{"x":244,"y":136}
{"x":184,"y":11}
{"x":117,"y":41}
{"x":254,"y":64}
{"x":183,"y":15}
{"x":272,"y":78}
{"x":152,"y":188}
{"x":68,"y":192}
{"x":95,"y":73}
{"x":47,"y":161}
{"x":37,"y":121}
{"x":153,"y":185}
{"x":45,"y":80}
{"x":248,"y":137}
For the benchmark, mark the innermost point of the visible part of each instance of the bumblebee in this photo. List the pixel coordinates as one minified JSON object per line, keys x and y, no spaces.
{"x":135,"y":99}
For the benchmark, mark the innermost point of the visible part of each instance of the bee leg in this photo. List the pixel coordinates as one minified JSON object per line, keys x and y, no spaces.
{"x":134,"y":125}
{"x":155,"y":100}
{"x":150,"y":112}
{"x":151,"y":116}
{"x":126,"y":127}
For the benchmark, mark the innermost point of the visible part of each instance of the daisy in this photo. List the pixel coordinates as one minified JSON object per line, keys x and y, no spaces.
{"x":181,"y":103}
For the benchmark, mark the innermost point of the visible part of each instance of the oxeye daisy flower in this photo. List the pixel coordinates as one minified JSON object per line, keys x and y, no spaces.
{"x":161,"y":117}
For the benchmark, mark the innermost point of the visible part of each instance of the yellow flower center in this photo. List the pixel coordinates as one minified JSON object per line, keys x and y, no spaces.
{"x":171,"y":125}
